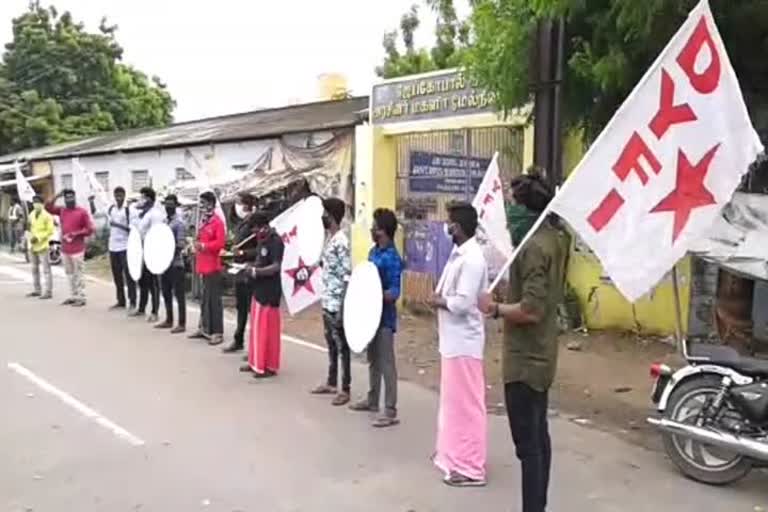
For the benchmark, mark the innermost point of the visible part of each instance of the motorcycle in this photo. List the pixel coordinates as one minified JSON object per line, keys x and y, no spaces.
{"x":713,"y":413}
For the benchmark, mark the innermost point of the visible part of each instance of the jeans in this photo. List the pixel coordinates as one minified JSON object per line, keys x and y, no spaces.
{"x":174,"y":285}
{"x":337,"y":346}
{"x":243,"y":295}
{"x":118,"y":260}
{"x":382,"y":366}
{"x":527,"y":412}
{"x":148,"y":285}
{"x":73,"y":267}
{"x":212,"y":308}
{"x":38,"y":260}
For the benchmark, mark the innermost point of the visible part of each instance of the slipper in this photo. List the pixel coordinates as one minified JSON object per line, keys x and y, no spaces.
{"x":385,"y":422}
{"x":323,"y":389}
{"x":340,"y":399}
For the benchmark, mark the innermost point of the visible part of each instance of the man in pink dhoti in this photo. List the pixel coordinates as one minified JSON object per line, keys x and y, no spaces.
{"x":462,"y":423}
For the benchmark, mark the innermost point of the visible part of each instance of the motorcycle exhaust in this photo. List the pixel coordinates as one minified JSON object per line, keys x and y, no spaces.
{"x":737,"y":444}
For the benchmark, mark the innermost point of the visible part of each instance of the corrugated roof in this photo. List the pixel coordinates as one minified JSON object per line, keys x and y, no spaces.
{"x":260,"y":124}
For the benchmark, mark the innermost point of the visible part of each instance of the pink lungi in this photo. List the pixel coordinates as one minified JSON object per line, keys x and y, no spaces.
{"x":462,"y":422}
{"x":264,"y":339}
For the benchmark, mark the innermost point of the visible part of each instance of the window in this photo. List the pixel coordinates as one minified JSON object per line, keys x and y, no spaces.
{"x":240,"y":167}
{"x":139,"y":180}
{"x":183,"y":175}
{"x":103,"y":179}
{"x":66,"y":181}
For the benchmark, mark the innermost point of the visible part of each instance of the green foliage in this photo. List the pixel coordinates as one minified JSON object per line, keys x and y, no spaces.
{"x":59,"y":82}
{"x":610,"y":44}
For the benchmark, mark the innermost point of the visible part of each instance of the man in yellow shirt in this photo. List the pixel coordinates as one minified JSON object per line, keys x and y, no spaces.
{"x":41,"y":230}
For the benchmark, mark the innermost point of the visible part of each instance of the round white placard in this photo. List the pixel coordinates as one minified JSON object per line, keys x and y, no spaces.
{"x":135,"y":254}
{"x":362,"y":306}
{"x":310,"y":232}
{"x":159,"y":248}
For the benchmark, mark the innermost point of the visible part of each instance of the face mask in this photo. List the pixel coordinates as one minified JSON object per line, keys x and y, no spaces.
{"x":241,"y":211}
{"x":170,"y":210}
{"x":69,"y":203}
{"x":520,"y":220}
{"x":375,"y":236}
{"x":206,"y":208}
{"x":141,"y":202}
{"x":326,"y":222}
{"x":37,"y":207}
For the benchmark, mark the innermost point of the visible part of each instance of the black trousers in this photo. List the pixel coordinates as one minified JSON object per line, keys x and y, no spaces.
{"x":212,"y":308}
{"x":149,"y":286}
{"x":337,"y":346}
{"x":527,"y":412}
{"x":174,"y":285}
{"x":118,"y":260}
{"x":243,"y":295}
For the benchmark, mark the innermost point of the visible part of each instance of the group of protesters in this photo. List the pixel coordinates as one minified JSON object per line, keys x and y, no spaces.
{"x":461,"y":302}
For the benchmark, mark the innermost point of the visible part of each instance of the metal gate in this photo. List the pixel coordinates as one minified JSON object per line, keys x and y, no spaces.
{"x":423,"y":214}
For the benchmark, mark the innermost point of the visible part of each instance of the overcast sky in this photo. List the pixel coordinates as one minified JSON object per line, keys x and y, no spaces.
{"x":227,"y":56}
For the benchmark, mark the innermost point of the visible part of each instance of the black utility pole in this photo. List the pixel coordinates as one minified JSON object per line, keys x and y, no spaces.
{"x":549,"y":61}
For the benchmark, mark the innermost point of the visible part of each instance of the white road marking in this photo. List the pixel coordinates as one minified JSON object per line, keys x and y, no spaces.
{"x":228,"y":319}
{"x":80,"y":407}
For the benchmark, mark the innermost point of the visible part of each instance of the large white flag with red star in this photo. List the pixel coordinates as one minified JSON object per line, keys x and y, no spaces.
{"x":666,"y":164}
{"x":302,"y":283}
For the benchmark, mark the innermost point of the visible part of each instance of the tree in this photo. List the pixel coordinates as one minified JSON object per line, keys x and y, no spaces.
{"x":59,"y":82}
{"x":451,"y":37}
{"x":609,"y":46}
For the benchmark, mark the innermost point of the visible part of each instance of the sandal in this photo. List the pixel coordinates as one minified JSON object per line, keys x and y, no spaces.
{"x":340,"y":399}
{"x":385,"y":421}
{"x":323,"y":389}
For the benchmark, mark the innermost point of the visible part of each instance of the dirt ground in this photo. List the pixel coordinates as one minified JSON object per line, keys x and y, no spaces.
{"x":604,"y":383}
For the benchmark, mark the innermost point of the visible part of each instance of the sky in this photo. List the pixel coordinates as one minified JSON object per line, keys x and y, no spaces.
{"x":226,"y":56}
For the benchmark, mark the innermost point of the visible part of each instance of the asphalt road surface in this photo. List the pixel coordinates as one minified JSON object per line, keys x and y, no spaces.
{"x":99,"y":412}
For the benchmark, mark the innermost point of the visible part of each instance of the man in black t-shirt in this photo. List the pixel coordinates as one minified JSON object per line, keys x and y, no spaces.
{"x":266,"y":322}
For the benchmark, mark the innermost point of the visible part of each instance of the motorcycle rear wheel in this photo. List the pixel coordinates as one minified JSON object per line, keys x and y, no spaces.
{"x":698,"y":461}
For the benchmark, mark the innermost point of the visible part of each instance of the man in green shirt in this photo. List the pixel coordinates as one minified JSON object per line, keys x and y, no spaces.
{"x":536,"y":282}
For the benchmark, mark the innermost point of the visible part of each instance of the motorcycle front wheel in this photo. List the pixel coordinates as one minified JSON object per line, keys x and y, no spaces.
{"x":698,"y":461}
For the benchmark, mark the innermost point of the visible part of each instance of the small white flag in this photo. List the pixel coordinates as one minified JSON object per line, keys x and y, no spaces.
{"x":492,"y":234}
{"x":200,"y":174}
{"x":670,"y":159}
{"x":25,"y":190}
{"x":95,"y":187}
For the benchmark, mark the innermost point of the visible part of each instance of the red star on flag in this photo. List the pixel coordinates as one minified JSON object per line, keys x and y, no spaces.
{"x":302,"y":277}
{"x":690,"y":192}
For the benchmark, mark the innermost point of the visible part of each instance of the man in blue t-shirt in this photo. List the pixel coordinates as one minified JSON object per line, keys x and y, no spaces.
{"x":381,"y":351}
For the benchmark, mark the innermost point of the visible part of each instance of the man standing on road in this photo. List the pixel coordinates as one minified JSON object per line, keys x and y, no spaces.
{"x":337,"y":267}
{"x":41,"y":231}
{"x":382,"y":364}
{"x":16,"y":222}
{"x":76,"y":226}
{"x":149,"y":214}
{"x":462,"y":423}
{"x":173,"y":281}
{"x":211,"y":239}
{"x":119,"y":215}
{"x":536,"y":283}
{"x":241,"y":217}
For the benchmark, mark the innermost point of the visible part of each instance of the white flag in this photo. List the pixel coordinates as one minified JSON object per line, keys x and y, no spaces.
{"x":302,"y":284}
{"x":25,"y":190}
{"x":492,"y":234}
{"x":666,"y":164}
{"x":200,"y":175}
{"x":95,"y":188}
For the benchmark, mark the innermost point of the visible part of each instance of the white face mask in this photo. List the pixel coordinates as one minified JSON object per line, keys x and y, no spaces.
{"x":241,"y":211}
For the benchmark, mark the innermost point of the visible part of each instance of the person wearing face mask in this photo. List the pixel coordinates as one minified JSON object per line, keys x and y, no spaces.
{"x":337,"y":267}
{"x":462,"y":424}
{"x":76,"y":226}
{"x":148,"y":214}
{"x":41,"y":231}
{"x":382,"y":364}
{"x":241,"y":219}
{"x":211,"y":239}
{"x":173,"y":282}
{"x":529,"y":357}
{"x":266,"y":323}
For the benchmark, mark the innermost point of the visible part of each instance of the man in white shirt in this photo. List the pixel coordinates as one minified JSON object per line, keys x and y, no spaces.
{"x":16,"y":221}
{"x":120,"y":220}
{"x":462,"y":424}
{"x":148,"y":214}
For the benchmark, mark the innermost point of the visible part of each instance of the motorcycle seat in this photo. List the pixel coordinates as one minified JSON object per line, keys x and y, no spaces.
{"x":730,"y":358}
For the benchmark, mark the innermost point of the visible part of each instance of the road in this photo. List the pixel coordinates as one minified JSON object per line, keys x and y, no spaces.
{"x":102,"y":413}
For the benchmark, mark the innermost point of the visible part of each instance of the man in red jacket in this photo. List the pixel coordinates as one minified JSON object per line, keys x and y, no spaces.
{"x":76,"y":226}
{"x":211,"y":238}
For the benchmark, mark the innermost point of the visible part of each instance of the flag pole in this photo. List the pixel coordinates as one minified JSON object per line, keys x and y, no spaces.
{"x":679,"y":336}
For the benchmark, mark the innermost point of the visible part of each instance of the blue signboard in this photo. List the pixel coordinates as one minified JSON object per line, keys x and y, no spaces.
{"x":446,"y":174}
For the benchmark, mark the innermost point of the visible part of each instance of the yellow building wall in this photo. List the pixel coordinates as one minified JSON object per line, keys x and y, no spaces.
{"x":603,"y":307}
